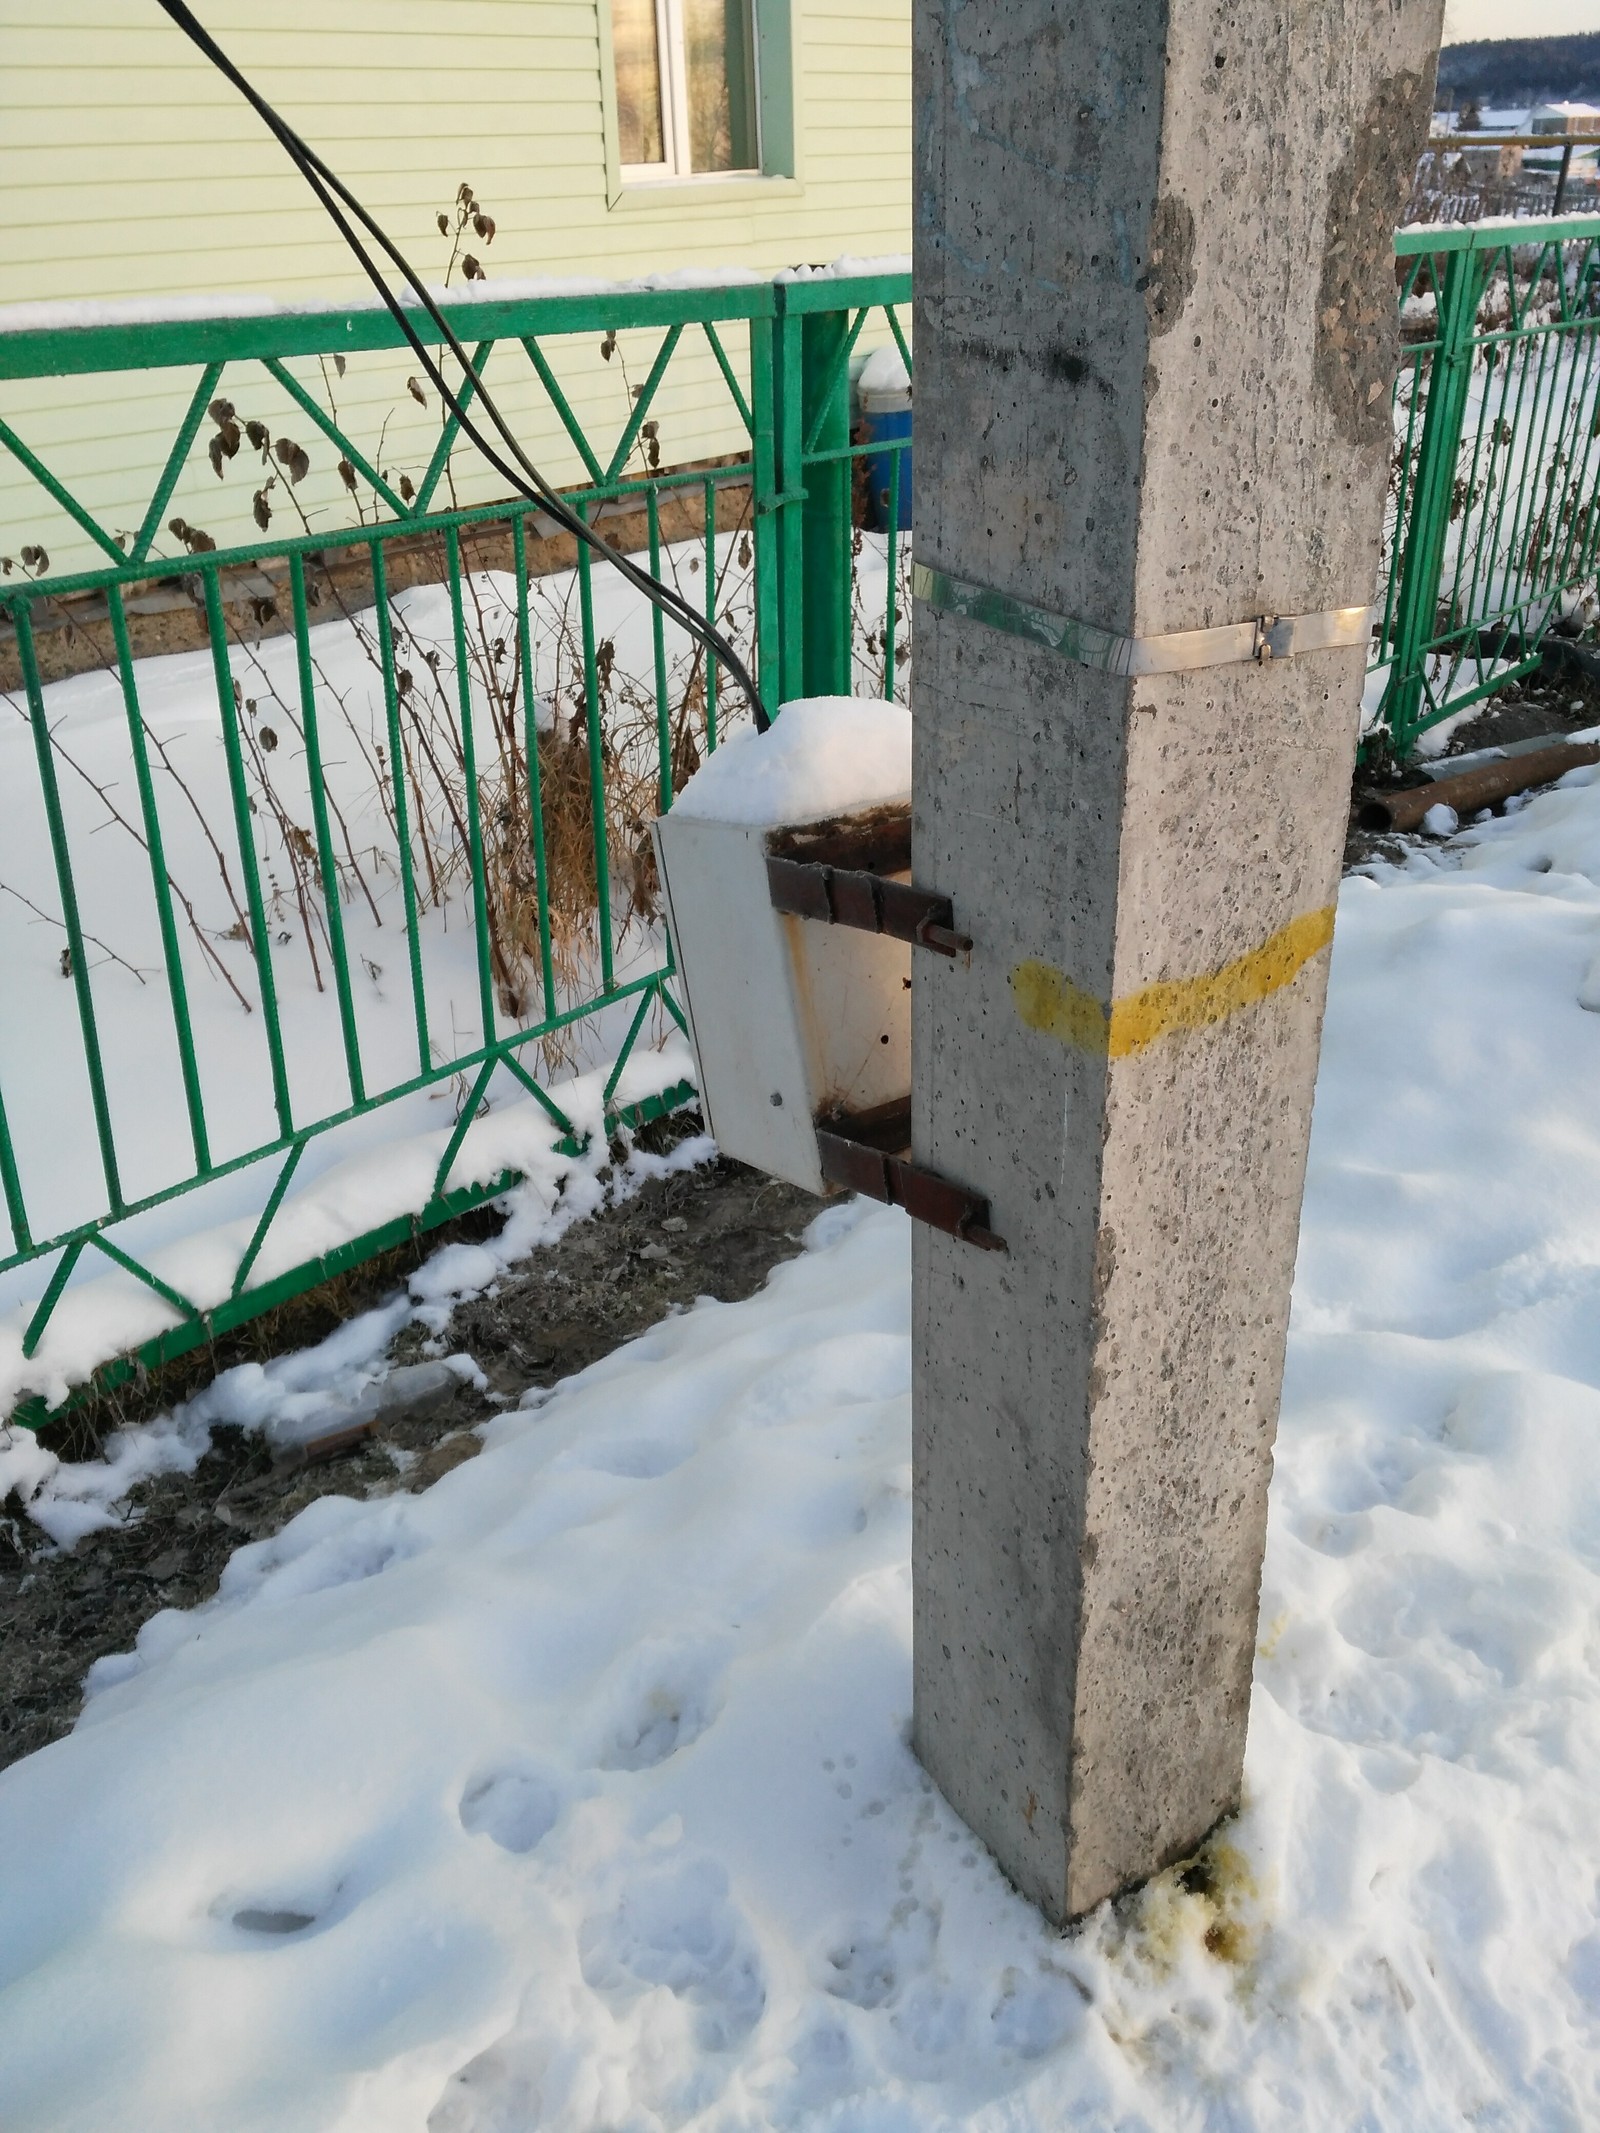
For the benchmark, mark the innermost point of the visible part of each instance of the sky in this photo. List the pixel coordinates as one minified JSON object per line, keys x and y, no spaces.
{"x":1466,"y":19}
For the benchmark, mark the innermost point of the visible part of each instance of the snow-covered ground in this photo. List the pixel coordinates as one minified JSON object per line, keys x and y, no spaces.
{"x":575,"y":1793}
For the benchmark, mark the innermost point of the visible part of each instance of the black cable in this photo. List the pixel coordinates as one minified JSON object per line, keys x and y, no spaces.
{"x":334,"y":197}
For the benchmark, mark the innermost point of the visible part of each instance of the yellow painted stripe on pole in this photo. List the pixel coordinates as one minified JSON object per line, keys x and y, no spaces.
{"x":1049,"y":1001}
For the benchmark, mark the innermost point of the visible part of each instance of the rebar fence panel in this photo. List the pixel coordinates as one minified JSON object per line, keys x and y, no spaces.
{"x":330,"y":771}
{"x":337,"y":796}
{"x":1492,"y":527}
{"x":842,"y":633}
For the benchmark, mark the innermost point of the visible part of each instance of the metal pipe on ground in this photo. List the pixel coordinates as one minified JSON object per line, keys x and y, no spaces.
{"x":1474,"y":788}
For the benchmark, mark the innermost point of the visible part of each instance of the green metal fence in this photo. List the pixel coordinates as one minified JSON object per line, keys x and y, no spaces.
{"x":479,"y":782}
{"x":1493,"y":522}
{"x":494,"y":809}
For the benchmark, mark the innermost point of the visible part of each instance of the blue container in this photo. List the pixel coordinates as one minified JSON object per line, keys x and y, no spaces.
{"x":888,"y":420}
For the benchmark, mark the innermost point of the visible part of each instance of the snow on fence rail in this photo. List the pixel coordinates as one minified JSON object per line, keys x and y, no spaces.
{"x":326,"y":898}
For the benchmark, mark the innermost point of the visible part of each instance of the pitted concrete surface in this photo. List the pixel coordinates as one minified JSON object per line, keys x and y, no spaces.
{"x":1133,"y":222}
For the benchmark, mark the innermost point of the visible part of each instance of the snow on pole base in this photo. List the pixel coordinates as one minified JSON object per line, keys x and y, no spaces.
{"x":791,"y":1021}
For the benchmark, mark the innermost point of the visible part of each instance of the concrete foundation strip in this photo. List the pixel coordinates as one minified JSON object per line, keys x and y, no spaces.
{"x":1173,"y":652}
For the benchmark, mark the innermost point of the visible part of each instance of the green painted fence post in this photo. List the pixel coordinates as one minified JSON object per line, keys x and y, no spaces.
{"x":767,"y":514}
{"x":825,"y":514}
{"x":788,"y":404}
{"x":812,"y":408}
{"x":1422,"y":566}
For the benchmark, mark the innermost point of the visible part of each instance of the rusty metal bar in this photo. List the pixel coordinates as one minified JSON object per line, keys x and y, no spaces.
{"x":887,"y":1173}
{"x":872,"y":903}
{"x":1474,"y":788}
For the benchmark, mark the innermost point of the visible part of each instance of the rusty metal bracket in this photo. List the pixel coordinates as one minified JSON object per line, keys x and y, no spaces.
{"x":849,"y":896}
{"x":872,"y":1155}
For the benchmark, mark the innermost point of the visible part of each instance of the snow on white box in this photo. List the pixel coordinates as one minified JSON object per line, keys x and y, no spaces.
{"x":791,"y":1020}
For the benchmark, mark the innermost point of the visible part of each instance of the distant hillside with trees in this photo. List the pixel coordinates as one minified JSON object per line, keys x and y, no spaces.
{"x":1503,"y":71}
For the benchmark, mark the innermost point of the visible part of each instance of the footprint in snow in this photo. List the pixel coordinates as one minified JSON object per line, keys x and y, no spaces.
{"x":516,"y":1808}
{"x":678,"y":1986}
{"x":261,"y":1921}
{"x":862,"y":1971}
{"x":665,"y":1698}
{"x":674,"y":1925}
{"x":1035,"y":2014}
{"x":274,"y":1923}
{"x":869,"y":1965}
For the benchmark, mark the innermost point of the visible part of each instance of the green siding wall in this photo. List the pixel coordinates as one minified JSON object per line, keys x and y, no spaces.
{"x":131,"y":170}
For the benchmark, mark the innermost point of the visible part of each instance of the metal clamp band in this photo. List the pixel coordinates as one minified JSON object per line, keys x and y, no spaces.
{"x":1263,"y":637}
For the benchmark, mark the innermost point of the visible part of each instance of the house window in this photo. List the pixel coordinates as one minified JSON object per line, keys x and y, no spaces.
{"x":686,"y":87}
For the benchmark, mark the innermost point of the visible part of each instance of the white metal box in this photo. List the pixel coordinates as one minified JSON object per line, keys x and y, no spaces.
{"x":792,"y":1021}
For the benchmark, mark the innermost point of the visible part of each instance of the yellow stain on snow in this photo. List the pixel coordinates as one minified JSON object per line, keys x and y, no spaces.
{"x":1210,"y":1901}
{"x":1048,"y":1001}
{"x":1273,"y":1637}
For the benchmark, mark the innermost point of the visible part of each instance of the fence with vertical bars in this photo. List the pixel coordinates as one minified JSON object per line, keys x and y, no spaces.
{"x":341,"y":812}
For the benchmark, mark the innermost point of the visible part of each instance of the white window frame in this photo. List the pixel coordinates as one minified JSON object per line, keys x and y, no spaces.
{"x":675,"y":170}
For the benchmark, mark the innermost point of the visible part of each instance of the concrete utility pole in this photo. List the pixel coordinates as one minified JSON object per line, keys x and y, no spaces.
{"x":1155,"y":343}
